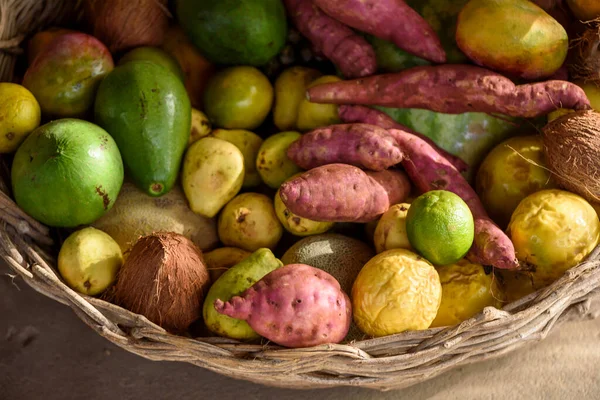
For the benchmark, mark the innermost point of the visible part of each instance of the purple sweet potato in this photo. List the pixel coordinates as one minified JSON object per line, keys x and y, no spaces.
{"x":294,"y":306}
{"x":352,"y":54}
{"x":454,"y":89}
{"x":391,"y":20}
{"x":374,"y":117}
{"x":344,"y":193}
{"x":361,"y":145}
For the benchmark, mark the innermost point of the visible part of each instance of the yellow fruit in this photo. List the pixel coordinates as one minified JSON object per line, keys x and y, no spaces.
{"x":440,"y":226}
{"x":297,"y":225}
{"x":290,"y":91}
{"x":249,"y":144}
{"x":553,"y":230}
{"x":396,"y":291}
{"x":89,"y":260}
{"x":585,"y":10}
{"x":390,"y":232}
{"x":517,"y":284}
{"x":313,"y":115}
{"x":220,"y":260}
{"x":238,"y":98}
{"x":201,"y":126}
{"x":19,"y":115}
{"x":558,"y":113}
{"x":466,"y":291}
{"x":511,"y":171}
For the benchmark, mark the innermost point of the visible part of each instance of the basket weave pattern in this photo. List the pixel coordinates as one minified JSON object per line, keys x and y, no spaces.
{"x":385,"y":363}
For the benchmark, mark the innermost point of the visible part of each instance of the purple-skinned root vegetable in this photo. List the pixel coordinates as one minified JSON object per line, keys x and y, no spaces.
{"x":294,"y":306}
{"x":454,"y":89}
{"x":344,"y":193}
{"x":361,"y":145}
{"x":375,"y":117}
{"x":391,"y":20}
{"x":351,"y":53}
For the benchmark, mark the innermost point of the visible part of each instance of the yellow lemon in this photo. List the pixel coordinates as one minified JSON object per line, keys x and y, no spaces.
{"x":552,"y":231}
{"x":466,"y":290}
{"x":396,"y":291}
{"x":19,"y":115}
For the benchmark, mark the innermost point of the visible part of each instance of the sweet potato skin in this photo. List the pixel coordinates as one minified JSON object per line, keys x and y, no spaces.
{"x":344,"y":193}
{"x":361,"y":145}
{"x":374,"y":117}
{"x":294,"y":306}
{"x":352,"y":54}
{"x":391,"y":20}
{"x":454,"y":89}
{"x":429,"y":170}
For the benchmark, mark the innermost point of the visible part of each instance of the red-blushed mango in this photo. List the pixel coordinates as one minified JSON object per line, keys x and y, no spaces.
{"x":65,"y":76}
{"x":515,"y":37}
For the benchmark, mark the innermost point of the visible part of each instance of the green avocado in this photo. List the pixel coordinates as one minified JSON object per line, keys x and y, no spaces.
{"x":235,"y":32}
{"x":67,"y":173}
{"x":146,"y":109}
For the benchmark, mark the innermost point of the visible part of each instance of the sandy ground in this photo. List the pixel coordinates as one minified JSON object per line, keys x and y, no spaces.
{"x":46,"y":352}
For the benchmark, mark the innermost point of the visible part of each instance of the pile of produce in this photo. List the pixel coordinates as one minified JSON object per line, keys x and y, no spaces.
{"x":311,"y":171}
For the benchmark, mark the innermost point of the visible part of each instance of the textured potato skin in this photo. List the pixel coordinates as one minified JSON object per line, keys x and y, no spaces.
{"x":454,"y":89}
{"x":361,"y":145}
{"x":391,"y":20}
{"x":351,"y":53}
{"x":344,"y":193}
{"x":428,"y":170}
{"x":294,"y":306}
{"x":373,"y":117}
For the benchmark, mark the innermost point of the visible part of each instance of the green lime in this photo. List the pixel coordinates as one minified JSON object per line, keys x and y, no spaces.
{"x":238,"y":98}
{"x":440,"y":226}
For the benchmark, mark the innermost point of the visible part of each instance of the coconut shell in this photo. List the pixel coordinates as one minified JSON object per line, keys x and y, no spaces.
{"x":164,"y":279}
{"x":572,"y":147}
{"x":125,"y":24}
{"x":585,"y":64}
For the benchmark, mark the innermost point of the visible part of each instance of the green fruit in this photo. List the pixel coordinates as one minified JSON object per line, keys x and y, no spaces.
{"x":469,"y":136}
{"x":272,"y":162}
{"x":235,"y":32}
{"x":155,"y":55}
{"x":515,"y":37}
{"x":232,"y":283}
{"x":147,"y":111}
{"x":67,"y":173}
{"x":440,"y":226}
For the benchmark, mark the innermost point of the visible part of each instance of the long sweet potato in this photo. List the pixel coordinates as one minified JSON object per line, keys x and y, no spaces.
{"x":391,"y":20}
{"x":374,"y":117}
{"x":344,"y":193}
{"x":429,"y":170}
{"x":454,"y":89}
{"x":360,"y":145}
{"x":352,"y":54}
{"x":294,"y":306}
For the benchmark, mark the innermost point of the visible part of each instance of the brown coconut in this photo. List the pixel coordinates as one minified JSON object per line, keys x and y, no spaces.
{"x":165,"y":279}
{"x":125,"y":24}
{"x":585,"y":64}
{"x":572,"y":148}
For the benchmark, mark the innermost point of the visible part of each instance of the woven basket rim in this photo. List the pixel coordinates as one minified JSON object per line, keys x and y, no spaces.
{"x":385,"y":363}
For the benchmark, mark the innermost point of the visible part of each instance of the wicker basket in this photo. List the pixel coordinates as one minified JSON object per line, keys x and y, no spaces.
{"x":386,"y":363}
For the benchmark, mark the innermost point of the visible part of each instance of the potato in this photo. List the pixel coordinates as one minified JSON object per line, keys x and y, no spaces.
{"x":249,"y":222}
{"x":213,"y":173}
{"x":313,"y":115}
{"x":249,"y":143}
{"x":290,"y":90}
{"x":272,"y":162}
{"x":232,"y":283}
{"x":137,"y":214}
{"x":201,"y":126}
{"x":220,"y":260}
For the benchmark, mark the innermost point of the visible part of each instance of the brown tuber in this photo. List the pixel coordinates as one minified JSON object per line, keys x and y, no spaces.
{"x":572,"y":147}
{"x":124,"y":24}
{"x":164,"y":279}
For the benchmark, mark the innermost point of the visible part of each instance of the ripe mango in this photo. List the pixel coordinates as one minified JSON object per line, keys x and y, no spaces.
{"x":514,"y":37}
